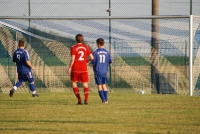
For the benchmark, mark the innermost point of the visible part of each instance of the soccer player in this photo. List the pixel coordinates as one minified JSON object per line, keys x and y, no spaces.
{"x":24,"y":69}
{"x":101,"y":62}
{"x":80,"y":57}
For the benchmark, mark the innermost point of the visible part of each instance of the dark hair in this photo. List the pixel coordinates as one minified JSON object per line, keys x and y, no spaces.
{"x":100,"y":41}
{"x":79,"y":38}
{"x":21,"y":43}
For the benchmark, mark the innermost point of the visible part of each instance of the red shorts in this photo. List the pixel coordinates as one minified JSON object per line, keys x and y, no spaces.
{"x":79,"y":77}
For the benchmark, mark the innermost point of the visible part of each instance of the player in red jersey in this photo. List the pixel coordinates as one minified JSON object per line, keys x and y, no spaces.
{"x":78,"y":67}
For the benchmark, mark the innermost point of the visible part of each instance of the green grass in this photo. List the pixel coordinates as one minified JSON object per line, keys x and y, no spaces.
{"x":126,"y":113}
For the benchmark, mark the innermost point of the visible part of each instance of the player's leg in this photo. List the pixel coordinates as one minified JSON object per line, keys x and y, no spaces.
{"x":76,"y":92}
{"x":101,"y":93}
{"x":105,"y":92}
{"x":74,"y":79}
{"x":86,"y":92}
{"x":17,"y":85}
{"x":98,"y":81}
{"x":32,"y":87}
{"x":105,"y":89}
{"x":84,"y":79}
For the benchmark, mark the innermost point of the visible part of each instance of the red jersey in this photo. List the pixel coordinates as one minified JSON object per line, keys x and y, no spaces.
{"x":81,"y":52}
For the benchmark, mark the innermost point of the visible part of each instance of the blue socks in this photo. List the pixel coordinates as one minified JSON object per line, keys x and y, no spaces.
{"x":106,"y":95}
{"x":101,"y":94}
{"x":32,"y":87}
{"x":18,"y":84}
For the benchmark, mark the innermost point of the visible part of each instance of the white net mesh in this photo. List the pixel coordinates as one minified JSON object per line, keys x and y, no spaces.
{"x":49,"y":41}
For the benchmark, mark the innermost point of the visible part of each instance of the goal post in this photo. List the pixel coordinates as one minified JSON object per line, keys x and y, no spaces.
{"x":130,"y":47}
{"x":191,"y":55}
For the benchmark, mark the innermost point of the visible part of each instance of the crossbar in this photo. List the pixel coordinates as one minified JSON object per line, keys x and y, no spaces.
{"x":93,"y":17}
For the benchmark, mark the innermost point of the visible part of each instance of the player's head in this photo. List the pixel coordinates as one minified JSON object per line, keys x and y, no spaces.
{"x":100,"y":42}
{"x":79,"y":38}
{"x":21,"y":43}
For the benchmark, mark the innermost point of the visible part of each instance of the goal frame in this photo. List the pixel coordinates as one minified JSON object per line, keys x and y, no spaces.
{"x":190,"y":17}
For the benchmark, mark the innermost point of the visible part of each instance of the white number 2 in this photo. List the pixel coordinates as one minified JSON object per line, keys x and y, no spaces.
{"x":102,"y":58}
{"x":81,"y":56}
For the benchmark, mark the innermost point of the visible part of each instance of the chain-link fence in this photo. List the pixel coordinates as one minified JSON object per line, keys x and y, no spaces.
{"x":96,"y":7}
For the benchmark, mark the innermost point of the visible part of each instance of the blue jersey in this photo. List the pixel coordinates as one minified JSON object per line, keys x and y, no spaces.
{"x":20,"y":57}
{"x":102,"y":59}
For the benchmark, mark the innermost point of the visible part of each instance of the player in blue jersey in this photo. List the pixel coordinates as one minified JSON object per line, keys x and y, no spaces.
{"x":101,"y":62}
{"x":24,"y":69}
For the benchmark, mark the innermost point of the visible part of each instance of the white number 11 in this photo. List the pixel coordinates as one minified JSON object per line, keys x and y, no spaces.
{"x":102,"y":58}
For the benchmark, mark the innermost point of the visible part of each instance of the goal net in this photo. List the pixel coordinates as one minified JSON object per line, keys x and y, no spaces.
{"x":153,"y":58}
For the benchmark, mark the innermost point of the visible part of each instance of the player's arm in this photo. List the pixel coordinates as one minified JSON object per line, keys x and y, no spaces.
{"x":27,"y":60}
{"x":94,"y":60}
{"x":30,"y":65}
{"x":91,"y":58}
{"x":71,"y":64}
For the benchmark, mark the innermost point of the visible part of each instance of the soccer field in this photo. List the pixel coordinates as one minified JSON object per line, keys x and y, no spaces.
{"x":57,"y":113}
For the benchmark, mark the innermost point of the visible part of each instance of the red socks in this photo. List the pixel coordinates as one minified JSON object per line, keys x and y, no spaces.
{"x":86,"y":92}
{"x":76,"y":92}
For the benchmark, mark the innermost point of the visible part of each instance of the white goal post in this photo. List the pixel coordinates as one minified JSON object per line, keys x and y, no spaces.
{"x":190,"y":17}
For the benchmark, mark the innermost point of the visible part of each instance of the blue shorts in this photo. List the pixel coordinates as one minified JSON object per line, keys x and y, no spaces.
{"x":101,"y":80}
{"x":26,"y":77}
